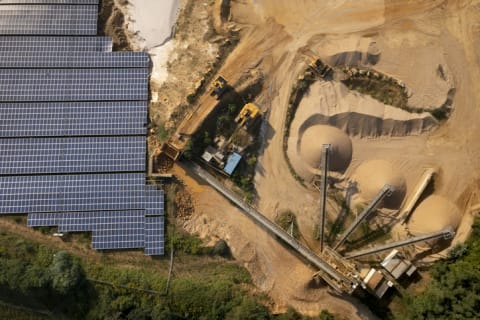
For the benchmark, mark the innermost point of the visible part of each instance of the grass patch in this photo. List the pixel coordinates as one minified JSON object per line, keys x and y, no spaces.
{"x":288,"y":221}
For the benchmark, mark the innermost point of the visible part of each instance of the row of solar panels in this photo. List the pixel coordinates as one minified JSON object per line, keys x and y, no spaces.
{"x":48,"y":2}
{"x":110,"y":229}
{"x":72,"y":155}
{"x":58,"y":119}
{"x":76,"y":192}
{"x":49,"y":44}
{"x":24,"y":85}
{"x":48,"y":19}
{"x":73,"y":59}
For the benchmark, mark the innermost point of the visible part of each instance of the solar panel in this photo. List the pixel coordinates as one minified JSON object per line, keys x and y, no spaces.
{"x":70,"y":59}
{"x":42,"y":119}
{"x":48,"y":19}
{"x":154,"y":235}
{"x":154,"y":201}
{"x":44,"y":219}
{"x":64,"y":193}
{"x":24,"y":85}
{"x":46,"y":44}
{"x":101,"y":220}
{"x":72,"y":155}
{"x":48,"y":2}
{"x":118,"y":239}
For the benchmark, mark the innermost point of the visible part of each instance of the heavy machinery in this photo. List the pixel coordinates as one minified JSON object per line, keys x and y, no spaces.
{"x":174,"y":147}
{"x":218,"y":87}
{"x":317,"y":65}
{"x":247,"y":115}
{"x":321,"y":68}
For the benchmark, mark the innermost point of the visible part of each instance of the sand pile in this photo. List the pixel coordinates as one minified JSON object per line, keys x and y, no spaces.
{"x":434,"y":214}
{"x":310,"y":145}
{"x":305,"y":148}
{"x":360,"y":115}
{"x":372,"y":175}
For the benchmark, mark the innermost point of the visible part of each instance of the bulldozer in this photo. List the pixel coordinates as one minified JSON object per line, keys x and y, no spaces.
{"x":218,"y":87}
{"x":321,"y":68}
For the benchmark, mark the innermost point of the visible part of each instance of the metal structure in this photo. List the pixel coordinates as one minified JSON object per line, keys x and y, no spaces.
{"x":323,"y":193}
{"x":384,"y":192}
{"x":339,"y":281}
{"x":422,"y":184}
{"x":446,"y":233}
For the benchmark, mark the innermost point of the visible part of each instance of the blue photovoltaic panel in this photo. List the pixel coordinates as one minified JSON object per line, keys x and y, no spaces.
{"x":50,"y":119}
{"x":72,"y":155}
{"x":101,"y":220}
{"x":48,"y":2}
{"x":48,"y":19}
{"x":154,"y":235}
{"x":118,"y":239}
{"x":73,"y":84}
{"x":63,"y":193}
{"x":70,"y":59}
{"x":44,"y":219}
{"x":46,"y":44}
{"x":154,"y":201}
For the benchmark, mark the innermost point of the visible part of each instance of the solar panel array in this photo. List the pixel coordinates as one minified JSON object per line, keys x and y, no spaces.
{"x":50,"y":119}
{"x":72,"y":59}
{"x":48,"y":19}
{"x":25,"y":85}
{"x":72,"y":155}
{"x":73,"y":127}
{"x":46,"y":44}
{"x":48,"y":2}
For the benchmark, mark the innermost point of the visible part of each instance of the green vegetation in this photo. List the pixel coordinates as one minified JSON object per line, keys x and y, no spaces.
{"x":12,"y":312}
{"x":287,"y":220}
{"x":388,"y":91}
{"x":40,"y":282}
{"x":161,"y":132}
{"x":454,"y":292}
{"x":298,"y":91}
{"x":385,"y":90}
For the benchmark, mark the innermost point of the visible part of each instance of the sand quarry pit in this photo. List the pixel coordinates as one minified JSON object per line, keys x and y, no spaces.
{"x":429,"y":46}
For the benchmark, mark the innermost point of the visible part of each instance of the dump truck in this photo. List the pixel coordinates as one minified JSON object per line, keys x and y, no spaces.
{"x":321,"y":68}
{"x":218,"y":87}
{"x":177,"y":143}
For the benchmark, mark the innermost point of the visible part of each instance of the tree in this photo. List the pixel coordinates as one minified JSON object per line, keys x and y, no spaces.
{"x":66,"y":273}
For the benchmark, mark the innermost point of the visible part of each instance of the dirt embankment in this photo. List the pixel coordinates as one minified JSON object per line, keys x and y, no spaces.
{"x":111,"y":21}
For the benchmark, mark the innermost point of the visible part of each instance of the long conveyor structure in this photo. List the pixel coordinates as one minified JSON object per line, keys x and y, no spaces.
{"x":384,"y":192}
{"x":446,"y":233}
{"x":421,"y":186}
{"x":340,"y":282}
{"x":323,"y":193}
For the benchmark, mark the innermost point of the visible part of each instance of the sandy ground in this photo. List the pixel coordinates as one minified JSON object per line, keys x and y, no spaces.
{"x":414,"y":39}
{"x":150,"y":25}
{"x":274,"y":268}
{"x":152,"y":21}
{"x":431,"y":46}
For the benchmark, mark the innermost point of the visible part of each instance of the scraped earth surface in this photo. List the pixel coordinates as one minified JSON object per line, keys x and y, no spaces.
{"x":430,"y":46}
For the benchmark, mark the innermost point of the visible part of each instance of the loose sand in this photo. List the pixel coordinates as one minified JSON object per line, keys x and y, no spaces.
{"x":371,"y":176}
{"x":150,"y":25}
{"x":433,"y":214}
{"x":431,"y":46}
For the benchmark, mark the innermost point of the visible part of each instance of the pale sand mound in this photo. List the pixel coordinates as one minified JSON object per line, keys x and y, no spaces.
{"x":372,"y":175}
{"x":310,"y":145}
{"x":434,"y":214}
{"x":360,"y":115}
